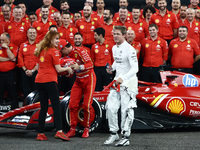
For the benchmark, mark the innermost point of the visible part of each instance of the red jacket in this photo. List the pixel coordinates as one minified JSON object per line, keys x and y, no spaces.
{"x":154,"y":52}
{"x":26,"y":56}
{"x":87,"y":30}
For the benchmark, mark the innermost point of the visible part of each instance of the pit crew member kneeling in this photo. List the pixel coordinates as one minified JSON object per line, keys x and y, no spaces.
{"x":84,"y":85}
{"x":126,"y":66}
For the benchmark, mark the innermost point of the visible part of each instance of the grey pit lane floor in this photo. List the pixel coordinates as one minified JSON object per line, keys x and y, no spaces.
{"x":17,"y":139}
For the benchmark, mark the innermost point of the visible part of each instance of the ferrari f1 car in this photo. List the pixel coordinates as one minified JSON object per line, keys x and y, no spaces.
{"x":173,"y":103}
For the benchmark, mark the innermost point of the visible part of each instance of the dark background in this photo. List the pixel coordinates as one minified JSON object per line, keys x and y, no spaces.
{"x":76,"y":5}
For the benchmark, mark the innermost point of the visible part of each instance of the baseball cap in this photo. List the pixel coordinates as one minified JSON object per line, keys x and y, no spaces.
{"x":62,"y":44}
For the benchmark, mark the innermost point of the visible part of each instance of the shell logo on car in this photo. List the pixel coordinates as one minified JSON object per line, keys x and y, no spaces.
{"x":176,"y":105}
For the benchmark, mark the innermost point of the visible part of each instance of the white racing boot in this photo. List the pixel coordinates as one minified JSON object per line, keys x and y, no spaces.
{"x":112,"y":138}
{"x":123,"y":142}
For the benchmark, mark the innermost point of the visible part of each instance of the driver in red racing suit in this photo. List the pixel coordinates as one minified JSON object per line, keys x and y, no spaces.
{"x":84,"y":85}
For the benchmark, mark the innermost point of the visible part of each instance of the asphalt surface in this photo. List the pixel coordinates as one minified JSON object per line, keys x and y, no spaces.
{"x":17,"y":139}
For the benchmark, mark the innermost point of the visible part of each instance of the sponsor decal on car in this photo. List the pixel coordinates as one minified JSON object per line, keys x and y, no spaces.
{"x":176,"y":105}
{"x":190,"y":81}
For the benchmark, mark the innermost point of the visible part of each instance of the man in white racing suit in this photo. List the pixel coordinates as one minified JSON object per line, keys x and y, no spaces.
{"x":126,"y":66}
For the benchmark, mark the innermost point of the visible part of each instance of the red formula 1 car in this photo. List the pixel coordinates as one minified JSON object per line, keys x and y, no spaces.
{"x":175,"y":102}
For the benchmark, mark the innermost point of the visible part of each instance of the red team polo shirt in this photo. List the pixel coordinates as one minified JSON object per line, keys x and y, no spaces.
{"x":1,"y":29}
{"x":137,"y":46}
{"x":140,"y":28}
{"x":87,"y":30}
{"x":17,"y":31}
{"x":129,"y":16}
{"x":26,"y":56}
{"x":42,"y":28}
{"x":102,"y":54}
{"x":67,"y":33}
{"x":154,"y":52}
{"x":52,"y":10}
{"x":6,"y":66}
{"x":47,"y":61}
{"x":165,"y":24}
{"x":183,"y":52}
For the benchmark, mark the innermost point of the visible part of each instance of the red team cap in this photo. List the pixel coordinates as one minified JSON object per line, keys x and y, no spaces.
{"x":62,"y":44}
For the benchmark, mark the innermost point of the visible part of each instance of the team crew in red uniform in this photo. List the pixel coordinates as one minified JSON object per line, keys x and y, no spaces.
{"x":138,"y":25}
{"x":24,"y":15}
{"x":1,"y":29}
{"x":194,"y":4}
{"x":6,"y":14}
{"x":101,"y":54}
{"x":57,"y":18}
{"x":100,"y":10}
{"x":67,"y":31}
{"x":147,"y":12}
{"x":192,"y":25}
{"x":176,"y":4}
{"x":197,"y":15}
{"x":64,"y":7}
{"x":46,"y":82}
{"x":123,"y":3}
{"x":148,"y":3}
{"x":8,"y":53}
{"x":123,"y":13}
{"x":108,"y":25}
{"x":52,"y":9}
{"x":154,"y":53}
{"x":84,"y":85}
{"x":182,"y":49}
{"x":17,"y":28}
{"x":167,"y":22}
{"x":10,"y":3}
{"x":183,"y":16}
{"x":86,"y":26}
{"x":32,"y":17}
{"x":28,"y":62}
{"x":43,"y":24}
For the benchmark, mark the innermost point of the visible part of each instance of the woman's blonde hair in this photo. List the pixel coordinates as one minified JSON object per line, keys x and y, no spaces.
{"x":46,"y":42}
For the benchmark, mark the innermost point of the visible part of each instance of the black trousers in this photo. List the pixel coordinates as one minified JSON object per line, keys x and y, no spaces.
{"x":28,"y":83}
{"x":151,"y":74}
{"x":7,"y":82}
{"x":103,"y":78}
{"x":47,"y":91}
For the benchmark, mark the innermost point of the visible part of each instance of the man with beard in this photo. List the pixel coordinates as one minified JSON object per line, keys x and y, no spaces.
{"x":181,"y":18}
{"x":176,"y":7}
{"x":67,"y":31}
{"x":43,"y":23}
{"x":154,"y":53}
{"x":28,"y":62}
{"x":192,"y":25}
{"x":167,"y":22}
{"x":181,"y":49}
{"x":194,"y":4}
{"x":6,"y":11}
{"x":17,"y":28}
{"x":122,"y":3}
{"x":86,"y":26}
{"x":78,"y":40}
{"x":147,"y":12}
{"x":138,"y":25}
{"x":148,"y":3}
{"x":52,"y":10}
{"x":10,"y":3}
{"x":91,"y":4}
{"x":108,"y":25}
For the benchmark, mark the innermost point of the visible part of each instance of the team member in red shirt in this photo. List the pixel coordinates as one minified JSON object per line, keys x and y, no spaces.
{"x":57,"y":18}
{"x":46,"y":82}
{"x":192,"y":25}
{"x":67,"y":31}
{"x":17,"y":28}
{"x":167,"y":22}
{"x":100,"y":10}
{"x":130,"y":38}
{"x":182,"y":51}
{"x":122,"y":3}
{"x":10,"y":3}
{"x":84,"y":85}
{"x":197,"y":15}
{"x":28,"y":62}
{"x":91,"y":4}
{"x":86,"y":27}
{"x":147,"y":12}
{"x":32,"y":17}
{"x":138,"y":25}
{"x":52,"y":9}
{"x":194,"y":4}
{"x":77,"y":16}
{"x":6,"y":14}
{"x":1,"y":29}
{"x":176,"y":7}
{"x":8,"y":53}
{"x":154,"y":53}
{"x":108,"y":25}
{"x":43,"y":24}
{"x":24,"y":15}
{"x":181,"y":18}
{"x":101,"y":54}
{"x":122,"y":20}
{"x":148,"y":3}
